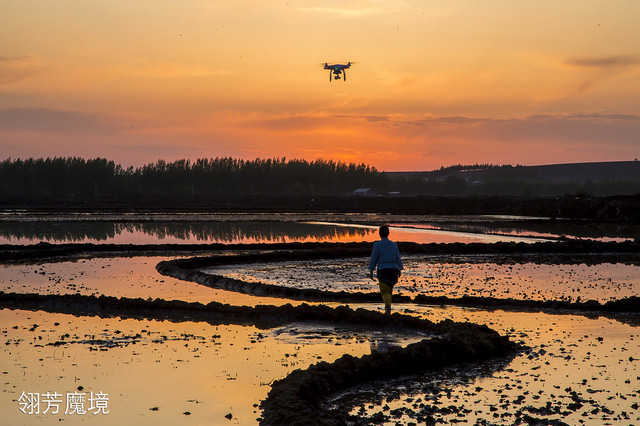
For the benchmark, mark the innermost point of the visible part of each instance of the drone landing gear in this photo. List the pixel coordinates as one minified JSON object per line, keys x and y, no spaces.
{"x":335,"y":75}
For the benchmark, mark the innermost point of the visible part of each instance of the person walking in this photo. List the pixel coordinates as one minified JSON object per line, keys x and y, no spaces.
{"x":386,"y":257}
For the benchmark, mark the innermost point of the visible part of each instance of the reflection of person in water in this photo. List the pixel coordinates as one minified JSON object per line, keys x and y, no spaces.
{"x":386,"y":256}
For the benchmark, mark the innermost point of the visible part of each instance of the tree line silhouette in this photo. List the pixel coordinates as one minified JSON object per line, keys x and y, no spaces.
{"x":229,"y":177}
{"x":216,"y":176}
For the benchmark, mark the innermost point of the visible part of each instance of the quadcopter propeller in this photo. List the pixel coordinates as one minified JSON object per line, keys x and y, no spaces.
{"x":326,"y":64}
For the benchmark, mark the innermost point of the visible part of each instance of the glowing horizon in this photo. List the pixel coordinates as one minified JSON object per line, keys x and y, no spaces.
{"x":434,"y":84}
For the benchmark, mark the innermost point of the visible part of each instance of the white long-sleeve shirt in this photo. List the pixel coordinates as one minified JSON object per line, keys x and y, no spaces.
{"x":385,"y":254}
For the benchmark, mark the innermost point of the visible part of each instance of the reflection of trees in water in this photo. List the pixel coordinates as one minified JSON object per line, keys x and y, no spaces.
{"x":237,"y":231}
{"x":225,"y":232}
{"x":57,"y":231}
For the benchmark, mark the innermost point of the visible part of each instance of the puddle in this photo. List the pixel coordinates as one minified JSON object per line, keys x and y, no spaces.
{"x":534,"y":228}
{"x":120,"y":276}
{"x":378,"y":340}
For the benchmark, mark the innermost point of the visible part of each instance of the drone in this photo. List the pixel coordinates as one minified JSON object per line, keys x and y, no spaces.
{"x":337,"y":69}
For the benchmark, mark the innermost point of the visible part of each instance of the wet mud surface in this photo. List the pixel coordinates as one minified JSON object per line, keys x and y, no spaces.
{"x":516,"y":404}
{"x":431,"y":398}
{"x":506,"y":277}
{"x":575,"y":371}
{"x":294,"y":277}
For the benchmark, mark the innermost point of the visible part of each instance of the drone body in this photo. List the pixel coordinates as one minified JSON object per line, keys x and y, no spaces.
{"x":337,"y":69}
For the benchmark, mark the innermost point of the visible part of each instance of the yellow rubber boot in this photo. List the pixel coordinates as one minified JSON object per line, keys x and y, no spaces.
{"x":385,"y":291}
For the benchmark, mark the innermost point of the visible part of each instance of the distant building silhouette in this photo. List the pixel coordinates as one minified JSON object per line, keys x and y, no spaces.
{"x":364,"y":192}
{"x":553,"y":173}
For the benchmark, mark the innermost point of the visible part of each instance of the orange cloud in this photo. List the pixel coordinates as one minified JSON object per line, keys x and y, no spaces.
{"x":18,"y":68}
{"x":613,"y":61}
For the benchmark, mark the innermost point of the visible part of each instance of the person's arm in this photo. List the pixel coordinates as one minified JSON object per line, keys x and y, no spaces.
{"x":399,"y":262}
{"x":374,"y":260}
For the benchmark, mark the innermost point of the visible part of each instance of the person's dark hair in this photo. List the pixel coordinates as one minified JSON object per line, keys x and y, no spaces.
{"x":384,"y":231}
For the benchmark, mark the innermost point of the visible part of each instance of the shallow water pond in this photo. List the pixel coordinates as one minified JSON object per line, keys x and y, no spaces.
{"x":130,"y":277}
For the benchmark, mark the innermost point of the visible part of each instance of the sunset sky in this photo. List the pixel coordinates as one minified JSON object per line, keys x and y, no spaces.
{"x":436,"y":83}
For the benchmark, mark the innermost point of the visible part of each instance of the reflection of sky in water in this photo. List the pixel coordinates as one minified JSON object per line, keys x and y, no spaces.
{"x":206,"y":370}
{"x":428,"y":275}
{"x":18,"y":228}
{"x":194,"y":371}
{"x":540,"y":229}
{"x":213,"y":370}
{"x":131,"y":277}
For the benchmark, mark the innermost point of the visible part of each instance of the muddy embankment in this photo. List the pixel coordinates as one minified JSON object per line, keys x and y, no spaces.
{"x":296,"y":399}
{"x":612,"y":208}
{"x":264,"y":316}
